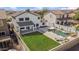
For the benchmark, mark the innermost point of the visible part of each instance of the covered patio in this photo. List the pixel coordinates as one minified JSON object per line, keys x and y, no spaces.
{"x":5,"y":43}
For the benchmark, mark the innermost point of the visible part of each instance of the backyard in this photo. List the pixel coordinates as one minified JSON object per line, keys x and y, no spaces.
{"x":38,"y":42}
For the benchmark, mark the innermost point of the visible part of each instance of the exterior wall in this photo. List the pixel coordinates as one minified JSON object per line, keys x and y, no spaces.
{"x":16,"y":26}
{"x":51,"y":19}
{"x":66,"y":28}
{"x":4,"y":28}
{"x":67,"y":45}
{"x":32,"y":18}
{"x":58,"y":16}
{"x":25,"y":31}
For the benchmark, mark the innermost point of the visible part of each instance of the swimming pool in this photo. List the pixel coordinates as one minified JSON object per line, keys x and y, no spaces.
{"x":61,"y":33}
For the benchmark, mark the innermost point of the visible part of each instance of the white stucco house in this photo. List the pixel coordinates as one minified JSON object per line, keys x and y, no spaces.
{"x":26,"y":22}
{"x":49,"y":18}
{"x":58,"y":19}
{"x":52,"y":17}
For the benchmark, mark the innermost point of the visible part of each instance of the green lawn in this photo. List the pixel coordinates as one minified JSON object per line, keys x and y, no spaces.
{"x":38,"y":42}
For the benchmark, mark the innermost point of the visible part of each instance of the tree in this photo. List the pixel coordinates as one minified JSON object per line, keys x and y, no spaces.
{"x":77,"y":27}
{"x":44,"y":10}
{"x":28,"y":10}
{"x":76,"y":17}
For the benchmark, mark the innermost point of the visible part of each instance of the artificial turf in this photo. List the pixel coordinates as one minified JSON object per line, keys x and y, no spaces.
{"x":38,"y":42}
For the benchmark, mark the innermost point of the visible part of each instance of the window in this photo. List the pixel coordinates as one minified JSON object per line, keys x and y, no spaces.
{"x":22,"y":28}
{"x":57,"y":22}
{"x":38,"y":17}
{"x":67,"y":15}
{"x":21,"y":19}
{"x":0,"y":33}
{"x":26,"y":18}
{"x":1,"y":45}
{"x":63,"y":16}
{"x":37,"y":25}
{"x":1,"y":23}
{"x":43,"y":23}
{"x":28,"y":28}
{"x":34,"y":25}
{"x":3,"y":33}
{"x":62,"y":23}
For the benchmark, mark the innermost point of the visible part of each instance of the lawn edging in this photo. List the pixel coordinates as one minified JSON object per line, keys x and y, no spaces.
{"x":24,"y":46}
{"x":36,"y":44}
{"x":65,"y":46}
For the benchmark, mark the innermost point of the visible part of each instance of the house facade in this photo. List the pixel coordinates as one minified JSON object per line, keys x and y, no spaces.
{"x":57,"y":17}
{"x":3,"y":24}
{"x":50,"y":19}
{"x":66,"y":18}
{"x":5,"y":40}
{"x":26,"y":22}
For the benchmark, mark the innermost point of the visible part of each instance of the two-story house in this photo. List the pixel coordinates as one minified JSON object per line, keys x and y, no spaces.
{"x":66,"y":18}
{"x":26,"y":22}
{"x":56,"y":17}
{"x":53,"y":17}
{"x":49,"y":19}
{"x":5,"y":40}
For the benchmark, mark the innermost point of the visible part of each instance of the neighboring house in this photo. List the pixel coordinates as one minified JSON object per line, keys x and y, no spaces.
{"x":57,"y":17}
{"x":49,"y":19}
{"x":53,"y":17}
{"x":25,"y":22}
{"x":73,"y":21}
{"x":3,"y":24}
{"x":5,"y":39}
{"x":62,"y":18}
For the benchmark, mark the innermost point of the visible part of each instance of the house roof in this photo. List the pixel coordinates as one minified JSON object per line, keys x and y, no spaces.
{"x":22,"y":12}
{"x":71,"y":14}
{"x":3,"y":15}
{"x":58,"y":12}
{"x":25,"y":23}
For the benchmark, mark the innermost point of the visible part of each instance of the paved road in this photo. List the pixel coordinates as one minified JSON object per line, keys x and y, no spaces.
{"x":75,"y":48}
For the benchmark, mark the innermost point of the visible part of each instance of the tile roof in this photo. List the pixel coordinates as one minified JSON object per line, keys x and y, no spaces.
{"x":58,"y":12}
{"x":3,"y":15}
{"x":22,"y":12}
{"x":71,"y":14}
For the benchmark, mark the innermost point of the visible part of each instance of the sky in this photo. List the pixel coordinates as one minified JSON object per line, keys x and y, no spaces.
{"x":38,"y":4}
{"x":37,"y":8}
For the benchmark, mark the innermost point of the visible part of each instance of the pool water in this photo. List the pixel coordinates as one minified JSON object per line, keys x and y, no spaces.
{"x":61,"y":33}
